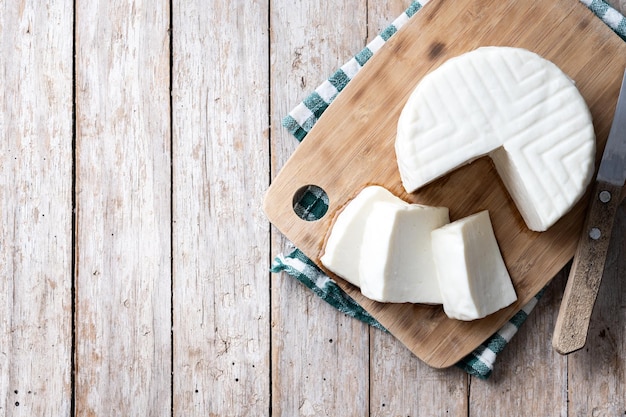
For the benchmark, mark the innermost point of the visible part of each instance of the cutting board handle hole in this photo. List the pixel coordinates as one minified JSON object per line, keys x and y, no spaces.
{"x":310,"y":202}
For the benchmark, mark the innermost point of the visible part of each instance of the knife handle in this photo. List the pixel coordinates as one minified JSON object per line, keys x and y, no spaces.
{"x":572,"y":323}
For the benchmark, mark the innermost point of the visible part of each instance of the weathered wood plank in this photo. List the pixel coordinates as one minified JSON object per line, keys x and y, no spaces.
{"x":123,"y":323}
{"x":382,"y":13}
{"x":402,"y":385}
{"x":319,"y":356}
{"x":35,"y":208}
{"x":597,"y":373}
{"x":530,"y":378}
{"x":220,"y":235}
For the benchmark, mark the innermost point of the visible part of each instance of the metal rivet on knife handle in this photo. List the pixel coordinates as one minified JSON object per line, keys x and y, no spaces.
{"x":605,"y":196}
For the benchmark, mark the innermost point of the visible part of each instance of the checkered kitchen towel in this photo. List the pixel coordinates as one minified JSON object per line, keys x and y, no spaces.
{"x":313,"y":204}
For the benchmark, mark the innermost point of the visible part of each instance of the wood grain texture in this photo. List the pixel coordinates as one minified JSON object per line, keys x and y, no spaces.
{"x":570,"y":332}
{"x":319,"y":356}
{"x":381,"y":13}
{"x":220,"y":237}
{"x":35,"y":208}
{"x":123,"y":323}
{"x":368,"y":109}
{"x":530,"y":378}
{"x":402,"y":385}
{"x":597,"y":373}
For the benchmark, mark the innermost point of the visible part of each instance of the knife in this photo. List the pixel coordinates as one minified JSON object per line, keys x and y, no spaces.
{"x":572,"y":324}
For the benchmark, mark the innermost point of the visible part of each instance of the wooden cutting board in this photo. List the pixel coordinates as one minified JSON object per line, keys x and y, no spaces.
{"x":352,"y":146}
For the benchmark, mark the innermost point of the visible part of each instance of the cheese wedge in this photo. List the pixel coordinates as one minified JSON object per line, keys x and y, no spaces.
{"x":343,"y":247}
{"x":396,"y":256}
{"x":472,"y":275}
{"x":510,"y":104}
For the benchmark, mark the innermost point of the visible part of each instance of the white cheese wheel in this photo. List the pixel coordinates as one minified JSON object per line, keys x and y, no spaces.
{"x":516,"y":107}
{"x":396,"y":257}
{"x":472,"y":275}
{"x":343,"y":248}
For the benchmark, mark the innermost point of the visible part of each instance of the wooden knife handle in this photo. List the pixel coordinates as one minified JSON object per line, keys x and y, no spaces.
{"x":572,"y":324}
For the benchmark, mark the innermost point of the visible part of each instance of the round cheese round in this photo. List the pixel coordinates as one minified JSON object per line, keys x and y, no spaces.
{"x":516,"y":107}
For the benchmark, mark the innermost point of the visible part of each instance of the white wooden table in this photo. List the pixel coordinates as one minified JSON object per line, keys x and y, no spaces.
{"x":137,"y":141}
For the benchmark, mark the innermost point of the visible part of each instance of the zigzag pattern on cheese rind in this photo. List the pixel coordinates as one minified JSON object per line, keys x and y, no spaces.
{"x":512,"y":105}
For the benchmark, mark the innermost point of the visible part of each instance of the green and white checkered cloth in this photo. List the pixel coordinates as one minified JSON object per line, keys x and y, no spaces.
{"x":313,"y":204}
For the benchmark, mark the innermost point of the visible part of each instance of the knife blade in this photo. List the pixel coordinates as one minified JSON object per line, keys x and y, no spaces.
{"x":581,"y":290}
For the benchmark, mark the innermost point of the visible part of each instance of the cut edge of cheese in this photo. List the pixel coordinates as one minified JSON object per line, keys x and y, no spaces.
{"x":472,"y":275}
{"x":516,"y":107}
{"x":397,"y":263}
{"x":343,"y":246}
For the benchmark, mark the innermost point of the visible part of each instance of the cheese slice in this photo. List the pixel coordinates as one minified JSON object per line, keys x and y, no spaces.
{"x":510,"y":104}
{"x":472,"y":275}
{"x":343,"y":247}
{"x":396,"y":257}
